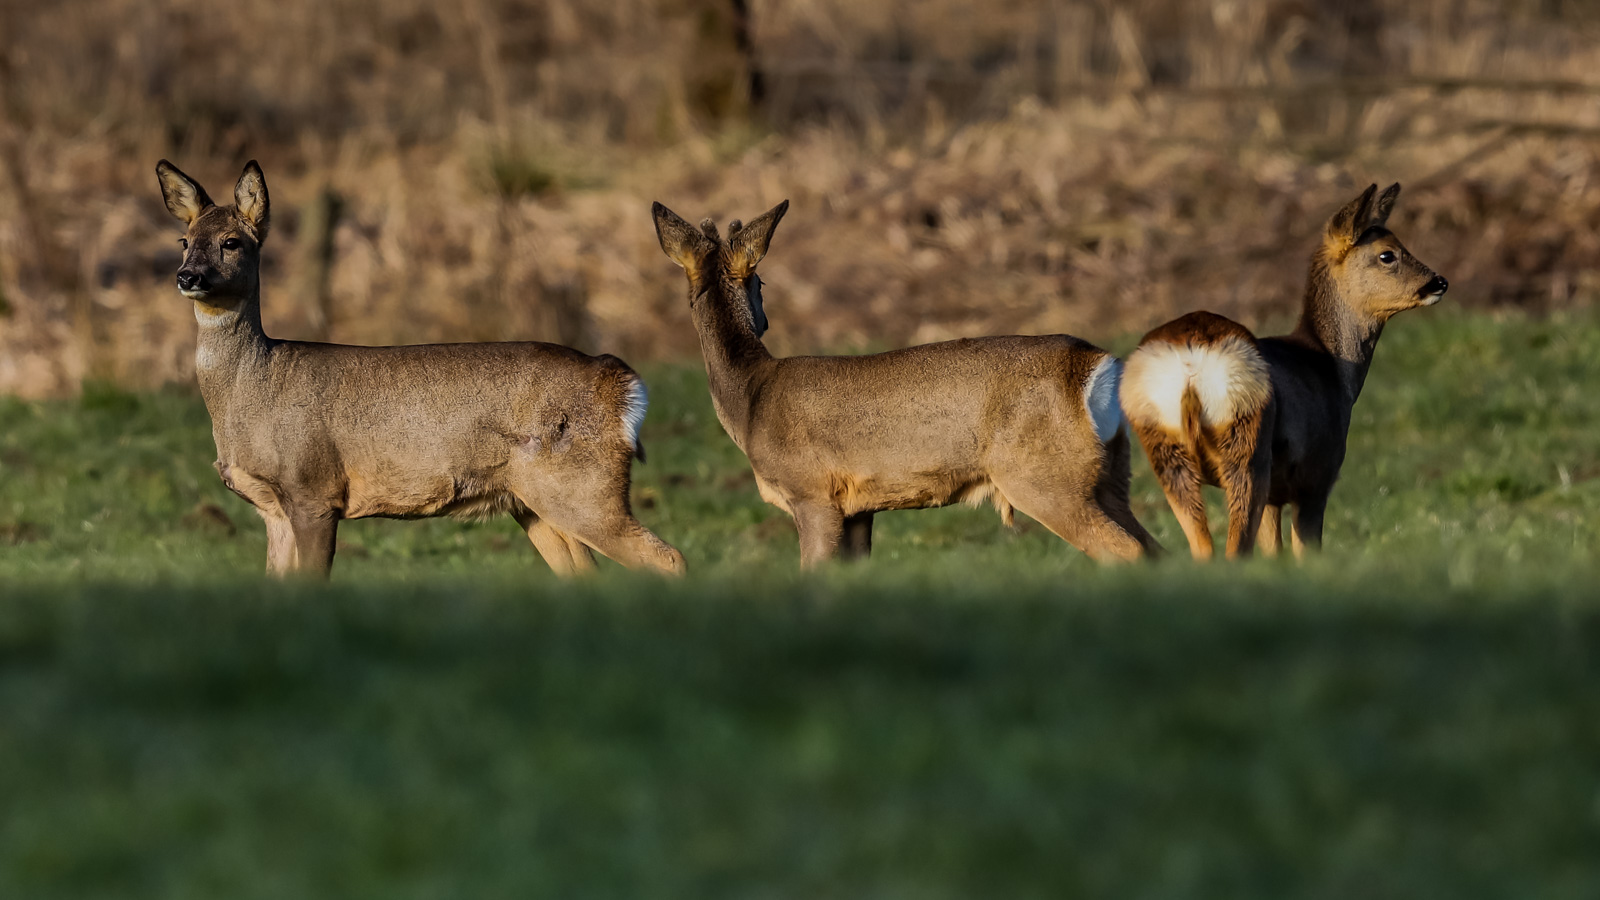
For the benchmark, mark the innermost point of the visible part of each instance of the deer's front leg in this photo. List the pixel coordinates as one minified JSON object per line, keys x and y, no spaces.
{"x":315,"y":536}
{"x":300,"y":543}
{"x":280,"y":544}
{"x":821,"y":530}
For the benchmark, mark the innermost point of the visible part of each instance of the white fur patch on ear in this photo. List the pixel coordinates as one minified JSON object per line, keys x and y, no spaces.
{"x":1100,"y":397}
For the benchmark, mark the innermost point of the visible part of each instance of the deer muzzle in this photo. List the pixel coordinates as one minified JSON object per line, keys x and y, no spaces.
{"x":191,"y":284}
{"x":1433,"y":291}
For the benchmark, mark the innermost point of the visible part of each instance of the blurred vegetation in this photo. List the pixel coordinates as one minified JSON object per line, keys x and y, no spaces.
{"x":1199,"y":737}
{"x":1052,"y":165}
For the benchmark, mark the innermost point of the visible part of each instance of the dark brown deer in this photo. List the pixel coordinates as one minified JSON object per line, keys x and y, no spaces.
{"x":1029,"y":423}
{"x":1267,"y":420}
{"x":313,"y":433}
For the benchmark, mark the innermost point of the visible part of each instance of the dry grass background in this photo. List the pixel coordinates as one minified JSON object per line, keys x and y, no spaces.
{"x":484,"y":169}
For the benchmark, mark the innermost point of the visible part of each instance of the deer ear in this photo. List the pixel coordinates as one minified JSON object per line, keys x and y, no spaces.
{"x":184,"y":196}
{"x":748,"y":244}
{"x":250,"y":199}
{"x":1383,"y":206}
{"x":680,"y":241}
{"x":1348,"y":223}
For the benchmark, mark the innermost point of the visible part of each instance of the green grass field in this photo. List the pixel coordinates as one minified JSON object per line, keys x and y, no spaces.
{"x":975,"y":712}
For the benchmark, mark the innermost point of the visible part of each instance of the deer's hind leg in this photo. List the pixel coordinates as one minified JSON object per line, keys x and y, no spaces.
{"x":1076,"y":519}
{"x":1178,"y":471}
{"x":613,"y":531}
{"x":1244,"y":469}
{"x":1089,"y":509}
{"x":589,"y":505}
{"x":565,"y":555}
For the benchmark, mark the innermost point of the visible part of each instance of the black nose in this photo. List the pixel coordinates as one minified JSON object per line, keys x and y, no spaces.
{"x":188,"y":281}
{"x":1437,"y":286}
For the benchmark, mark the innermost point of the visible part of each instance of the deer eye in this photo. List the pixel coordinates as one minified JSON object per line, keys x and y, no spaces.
{"x":183,"y":242}
{"x":231,"y":244}
{"x":1386,"y":257}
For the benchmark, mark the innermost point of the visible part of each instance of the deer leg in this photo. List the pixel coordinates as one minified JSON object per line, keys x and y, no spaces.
{"x":1111,"y":500}
{"x":1105,"y":539}
{"x":590,"y":510}
{"x":315,"y":535}
{"x":1269,"y":537}
{"x":565,"y":556}
{"x":1179,"y":474}
{"x":624,"y":539}
{"x":1306,"y":532}
{"x":857,"y":536}
{"x":1245,"y":497}
{"x":1244,"y":471}
{"x":821,"y":533}
{"x":280,"y":545}
{"x":1074,"y":518}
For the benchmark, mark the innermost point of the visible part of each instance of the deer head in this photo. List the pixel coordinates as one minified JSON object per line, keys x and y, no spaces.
{"x":721,"y":271}
{"x":222,"y":246}
{"x":1365,"y":267}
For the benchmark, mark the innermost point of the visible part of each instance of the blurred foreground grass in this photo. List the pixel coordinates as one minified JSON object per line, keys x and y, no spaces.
{"x":973,"y":712}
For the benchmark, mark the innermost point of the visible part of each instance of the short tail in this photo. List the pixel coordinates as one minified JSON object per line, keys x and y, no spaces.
{"x":1192,"y":419}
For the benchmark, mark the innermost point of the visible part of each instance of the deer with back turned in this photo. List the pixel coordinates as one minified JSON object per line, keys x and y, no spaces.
{"x":1027,"y":423}
{"x":1267,"y":420}
{"x":311,"y":433}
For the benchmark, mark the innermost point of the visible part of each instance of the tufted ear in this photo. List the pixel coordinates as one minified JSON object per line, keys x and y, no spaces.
{"x":1382,"y":207}
{"x":681,"y":242}
{"x":747,"y":244}
{"x":1348,"y":223}
{"x":184,"y":196}
{"x":250,"y":199}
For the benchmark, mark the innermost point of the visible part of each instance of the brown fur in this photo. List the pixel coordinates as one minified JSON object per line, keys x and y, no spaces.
{"x":313,"y":433}
{"x":1219,"y":449}
{"x":835,"y":439}
{"x":1317,"y":373}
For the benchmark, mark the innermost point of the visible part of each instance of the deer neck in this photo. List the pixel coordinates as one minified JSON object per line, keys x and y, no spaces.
{"x":230,"y":350}
{"x":1328,"y":324}
{"x":735,"y":359}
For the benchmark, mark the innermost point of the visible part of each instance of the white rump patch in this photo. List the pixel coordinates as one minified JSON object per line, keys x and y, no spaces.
{"x":1230,"y":378}
{"x":633,"y":409}
{"x":1100,"y":397}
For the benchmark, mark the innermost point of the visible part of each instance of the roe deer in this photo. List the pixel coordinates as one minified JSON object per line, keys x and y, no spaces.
{"x":1029,"y":423}
{"x":1202,"y":392}
{"x":313,"y":433}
